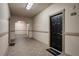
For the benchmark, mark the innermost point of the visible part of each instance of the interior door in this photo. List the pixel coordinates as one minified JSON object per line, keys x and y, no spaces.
{"x":56,"y":31}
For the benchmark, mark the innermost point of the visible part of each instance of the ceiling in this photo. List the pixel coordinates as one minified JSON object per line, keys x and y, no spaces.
{"x":18,"y":9}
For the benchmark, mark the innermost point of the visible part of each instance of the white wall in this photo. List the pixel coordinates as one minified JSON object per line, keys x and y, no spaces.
{"x":41,"y":23}
{"x":17,"y":27}
{"x":4,"y":16}
{"x":20,"y":27}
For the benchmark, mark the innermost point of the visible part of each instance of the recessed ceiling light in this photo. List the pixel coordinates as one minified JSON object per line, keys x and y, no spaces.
{"x":29,"y":6}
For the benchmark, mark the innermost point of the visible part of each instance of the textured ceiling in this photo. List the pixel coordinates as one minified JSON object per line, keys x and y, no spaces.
{"x":18,"y":9}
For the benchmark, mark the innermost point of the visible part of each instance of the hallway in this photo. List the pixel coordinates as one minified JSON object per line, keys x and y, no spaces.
{"x":48,"y":26}
{"x":27,"y":47}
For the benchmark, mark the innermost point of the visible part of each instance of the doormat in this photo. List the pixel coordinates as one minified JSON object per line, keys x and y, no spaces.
{"x":54,"y":52}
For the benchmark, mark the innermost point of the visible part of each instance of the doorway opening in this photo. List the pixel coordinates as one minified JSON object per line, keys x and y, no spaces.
{"x":56,"y":33}
{"x":22,"y":28}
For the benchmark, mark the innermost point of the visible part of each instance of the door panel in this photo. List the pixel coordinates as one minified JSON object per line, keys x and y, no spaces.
{"x":56,"y":32}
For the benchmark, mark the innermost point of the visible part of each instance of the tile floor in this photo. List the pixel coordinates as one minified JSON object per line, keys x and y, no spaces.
{"x":27,"y":47}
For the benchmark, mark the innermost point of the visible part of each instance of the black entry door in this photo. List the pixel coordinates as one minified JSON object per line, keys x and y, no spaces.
{"x":56,"y":31}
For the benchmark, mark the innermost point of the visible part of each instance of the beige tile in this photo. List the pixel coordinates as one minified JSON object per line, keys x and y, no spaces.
{"x":28,"y":47}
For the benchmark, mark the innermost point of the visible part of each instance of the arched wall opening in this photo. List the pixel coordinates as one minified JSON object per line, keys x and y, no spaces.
{"x":20,"y":26}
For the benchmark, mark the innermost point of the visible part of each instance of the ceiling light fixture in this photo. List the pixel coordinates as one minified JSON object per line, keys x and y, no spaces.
{"x":29,"y":6}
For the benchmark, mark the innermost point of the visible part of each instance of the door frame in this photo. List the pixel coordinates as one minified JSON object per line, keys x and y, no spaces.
{"x":63,"y":29}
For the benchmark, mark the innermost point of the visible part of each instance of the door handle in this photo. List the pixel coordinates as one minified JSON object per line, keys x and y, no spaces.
{"x":59,"y":34}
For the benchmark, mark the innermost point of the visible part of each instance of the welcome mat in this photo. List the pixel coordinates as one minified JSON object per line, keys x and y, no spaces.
{"x":54,"y":52}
